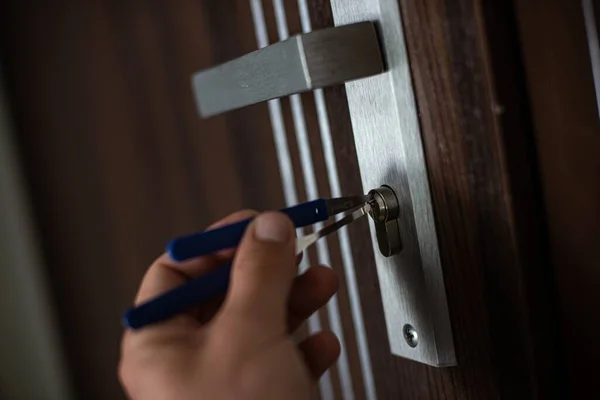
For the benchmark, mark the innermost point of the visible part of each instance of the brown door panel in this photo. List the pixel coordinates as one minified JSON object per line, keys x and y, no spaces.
{"x":118,"y":162}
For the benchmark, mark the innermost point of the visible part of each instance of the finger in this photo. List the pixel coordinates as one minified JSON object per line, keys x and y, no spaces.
{"x":165,"y":274}
{"x":310,"y":291}
{"x":320,"y":351}
{"x":263,"y":271}
{"x":192,"y":268}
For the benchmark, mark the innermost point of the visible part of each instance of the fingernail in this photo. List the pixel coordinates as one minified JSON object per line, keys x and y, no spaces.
{"x":272,"y":227}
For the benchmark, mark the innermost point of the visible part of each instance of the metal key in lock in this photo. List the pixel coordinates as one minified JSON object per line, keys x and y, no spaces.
{"x":385,"y":212}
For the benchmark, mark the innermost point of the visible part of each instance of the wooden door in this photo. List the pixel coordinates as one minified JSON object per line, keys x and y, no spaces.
{"x":118,"y":162}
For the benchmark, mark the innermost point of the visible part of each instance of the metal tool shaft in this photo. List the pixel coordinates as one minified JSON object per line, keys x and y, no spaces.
{"x":305,"y":241}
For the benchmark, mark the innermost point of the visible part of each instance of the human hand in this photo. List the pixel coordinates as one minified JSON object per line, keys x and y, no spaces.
{"x":239,"y":347}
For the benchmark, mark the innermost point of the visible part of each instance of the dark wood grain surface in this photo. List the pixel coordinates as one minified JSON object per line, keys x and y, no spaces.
{"x":467,"y":71}
{"x":472,"y":100}
{"x":567,"y":127}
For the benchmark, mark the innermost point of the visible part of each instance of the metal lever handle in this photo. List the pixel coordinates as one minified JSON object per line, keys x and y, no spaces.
{"x":304,"y":62}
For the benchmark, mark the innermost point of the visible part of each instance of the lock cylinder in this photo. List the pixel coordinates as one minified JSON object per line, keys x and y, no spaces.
{"x":385,"y":210}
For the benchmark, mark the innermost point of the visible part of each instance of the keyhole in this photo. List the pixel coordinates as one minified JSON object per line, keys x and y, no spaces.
{"x":385,"y":212}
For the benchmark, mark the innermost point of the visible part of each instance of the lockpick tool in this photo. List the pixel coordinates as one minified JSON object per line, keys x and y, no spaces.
{"x":198,"y":290}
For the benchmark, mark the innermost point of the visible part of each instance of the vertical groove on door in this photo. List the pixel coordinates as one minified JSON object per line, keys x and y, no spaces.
{"x":291,"y":122}
{"x":343,"y":237}
{"x":589,"y":15}
{"x":309,"y":169}
{"x":310,"y":181}
{"x":318,"y":322}
{"x":286,"y":169}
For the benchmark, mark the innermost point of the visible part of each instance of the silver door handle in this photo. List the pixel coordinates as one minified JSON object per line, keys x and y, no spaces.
{"x":304,"y":62}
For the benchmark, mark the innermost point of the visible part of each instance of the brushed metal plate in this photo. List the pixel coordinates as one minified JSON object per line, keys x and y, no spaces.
{"x":390,"y":151}
{"x":301,"y":63}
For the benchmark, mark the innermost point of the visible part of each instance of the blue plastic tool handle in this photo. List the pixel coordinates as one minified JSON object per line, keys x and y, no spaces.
{"x":179,"y":299}
{"x":215,"y":283}
{"x":202,"y":243}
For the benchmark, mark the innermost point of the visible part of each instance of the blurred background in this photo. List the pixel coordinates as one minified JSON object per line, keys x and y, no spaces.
{"x":104,"y":160}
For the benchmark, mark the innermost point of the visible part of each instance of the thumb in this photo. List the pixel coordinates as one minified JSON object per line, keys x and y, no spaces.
{"x":263,"y":271}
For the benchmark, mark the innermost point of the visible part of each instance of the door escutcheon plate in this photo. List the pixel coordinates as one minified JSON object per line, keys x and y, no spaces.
{"x":390,"y":152}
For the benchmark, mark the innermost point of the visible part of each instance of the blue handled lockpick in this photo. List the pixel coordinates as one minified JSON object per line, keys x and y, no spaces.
{"x":210,"y":285}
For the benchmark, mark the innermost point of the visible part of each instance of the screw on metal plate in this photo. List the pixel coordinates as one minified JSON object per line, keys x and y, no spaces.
{"x":410,"y":335}
{"x":385,"y":212}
